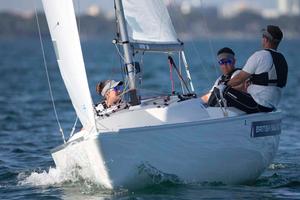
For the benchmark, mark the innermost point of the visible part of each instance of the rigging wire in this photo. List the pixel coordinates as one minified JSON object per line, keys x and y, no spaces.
{"x":74,"y":127}
{"x":172,"y":64}
{"x":120,"y":54}
{"x":180,"y":70}
{"x":47,"y":74}
{"x":78,"y":18}
{"x":212,"y":50}
{"x":141,"y":69}
{"x":183,"y":24}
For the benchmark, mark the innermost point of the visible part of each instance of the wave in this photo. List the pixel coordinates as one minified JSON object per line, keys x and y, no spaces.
{"x":69,"y":179}
{"x":156,"y":176}
{"x":47,"y":178}
{"x":275,"y":166}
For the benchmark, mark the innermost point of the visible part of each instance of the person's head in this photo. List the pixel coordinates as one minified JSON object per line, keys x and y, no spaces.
{"x":110,"y":90}
{"x":271,"y":37}
{"x":226,"y":60}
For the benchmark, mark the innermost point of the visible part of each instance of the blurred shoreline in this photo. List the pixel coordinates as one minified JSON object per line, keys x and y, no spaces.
{"x":204,"y":23}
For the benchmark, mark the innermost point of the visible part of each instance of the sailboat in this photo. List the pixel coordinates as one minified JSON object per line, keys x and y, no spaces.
{"x":171,"y":137}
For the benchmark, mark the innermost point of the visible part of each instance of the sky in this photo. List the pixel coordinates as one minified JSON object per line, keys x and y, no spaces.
{"x":28,"y":5}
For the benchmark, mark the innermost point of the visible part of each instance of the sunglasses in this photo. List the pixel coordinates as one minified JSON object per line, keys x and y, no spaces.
{"x":118,"y":88}
{"x":225,"y":62}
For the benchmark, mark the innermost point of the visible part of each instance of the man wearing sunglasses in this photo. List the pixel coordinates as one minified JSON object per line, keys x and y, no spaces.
{"x":112,"y":91}
{"x":226,"y":60}
{"x":267,"y":70}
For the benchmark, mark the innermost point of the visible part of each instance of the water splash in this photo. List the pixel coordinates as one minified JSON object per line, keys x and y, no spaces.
{"x":51,"y":177}
{"x":276,"y":166}
{"x":75,"y":181}
{"x":58,"y":177}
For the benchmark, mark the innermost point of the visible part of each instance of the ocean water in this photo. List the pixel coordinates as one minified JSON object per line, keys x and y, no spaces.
{"x":28,"y":128}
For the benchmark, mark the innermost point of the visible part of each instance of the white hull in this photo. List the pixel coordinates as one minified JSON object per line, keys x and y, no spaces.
{"x":165,"y":137}
{"x":211,"y":149}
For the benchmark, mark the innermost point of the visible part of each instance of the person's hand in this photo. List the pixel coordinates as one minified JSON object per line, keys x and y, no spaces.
{"x":246,"y":85}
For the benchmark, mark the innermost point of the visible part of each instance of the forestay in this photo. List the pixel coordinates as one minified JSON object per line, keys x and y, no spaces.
{"x":148,"y":22}
{"x":63,"y":29}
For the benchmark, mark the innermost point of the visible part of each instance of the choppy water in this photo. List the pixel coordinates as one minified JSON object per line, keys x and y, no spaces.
{"x":28,"y":129}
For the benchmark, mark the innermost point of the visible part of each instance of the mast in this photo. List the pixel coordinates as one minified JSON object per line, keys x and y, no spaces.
{"x":127,"y":52}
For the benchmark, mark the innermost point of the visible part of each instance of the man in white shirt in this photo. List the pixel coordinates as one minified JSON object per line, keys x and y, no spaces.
{"x":267,"y":70}
{"x":226,"y":60}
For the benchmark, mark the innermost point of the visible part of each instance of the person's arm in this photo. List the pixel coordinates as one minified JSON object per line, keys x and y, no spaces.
{"x":206,"y":97}
{"x":239,"y":87}
{"x":238,"y":79}
{"x":247,"y":70}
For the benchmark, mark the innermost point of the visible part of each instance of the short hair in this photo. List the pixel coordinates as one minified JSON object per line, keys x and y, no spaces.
{"x":273,"y":34}
{"x":226,"y":50}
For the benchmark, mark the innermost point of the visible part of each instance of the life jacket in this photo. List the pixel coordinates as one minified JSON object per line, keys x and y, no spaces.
{"x":103,"y":110}
{"x":213,"y":99}
{"x":227,"y":77}
{"x":100,"y":107}
{"x":276,"y":76}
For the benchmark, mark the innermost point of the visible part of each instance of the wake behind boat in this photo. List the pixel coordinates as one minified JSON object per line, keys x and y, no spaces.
{"x":175,"y":136}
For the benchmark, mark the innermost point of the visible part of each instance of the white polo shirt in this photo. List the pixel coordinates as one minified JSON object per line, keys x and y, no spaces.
{"x":260,"y":62}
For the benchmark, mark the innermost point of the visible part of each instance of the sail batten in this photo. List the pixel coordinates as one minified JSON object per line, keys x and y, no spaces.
{"x":149,"y":22}
{"x":64,"y":33}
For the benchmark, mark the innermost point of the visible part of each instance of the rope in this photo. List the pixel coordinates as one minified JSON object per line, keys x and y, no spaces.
{"x":179,"y":75}
{"x":171,"y":76}
{"x":224,"y":106}
{"x":47,"y":74}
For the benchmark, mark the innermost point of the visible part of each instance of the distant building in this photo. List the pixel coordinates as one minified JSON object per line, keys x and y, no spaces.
{"x":27,"y":14}
{"x":237,"y":7}
{"x":283,"y":6}
{"x":289,"y":7}
{"x":93,"y":10}
{"x":185,"y":7}
{"x":270,"y":13}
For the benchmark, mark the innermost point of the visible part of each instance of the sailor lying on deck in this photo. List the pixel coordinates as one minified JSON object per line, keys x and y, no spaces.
{"x":226,"y":60}
{"x":267,"y":70}
{"x":111,"y":91}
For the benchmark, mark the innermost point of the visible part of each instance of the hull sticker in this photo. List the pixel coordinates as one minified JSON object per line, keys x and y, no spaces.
{"x":266,"y":128}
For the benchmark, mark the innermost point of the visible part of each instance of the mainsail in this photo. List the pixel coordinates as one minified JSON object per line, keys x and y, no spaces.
{"x":149,"y":23}
{"x":63,"y":29}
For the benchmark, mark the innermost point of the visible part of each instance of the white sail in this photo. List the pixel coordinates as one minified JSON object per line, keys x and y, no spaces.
{"x":148,"y":21}
{"x":63,"y":29}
